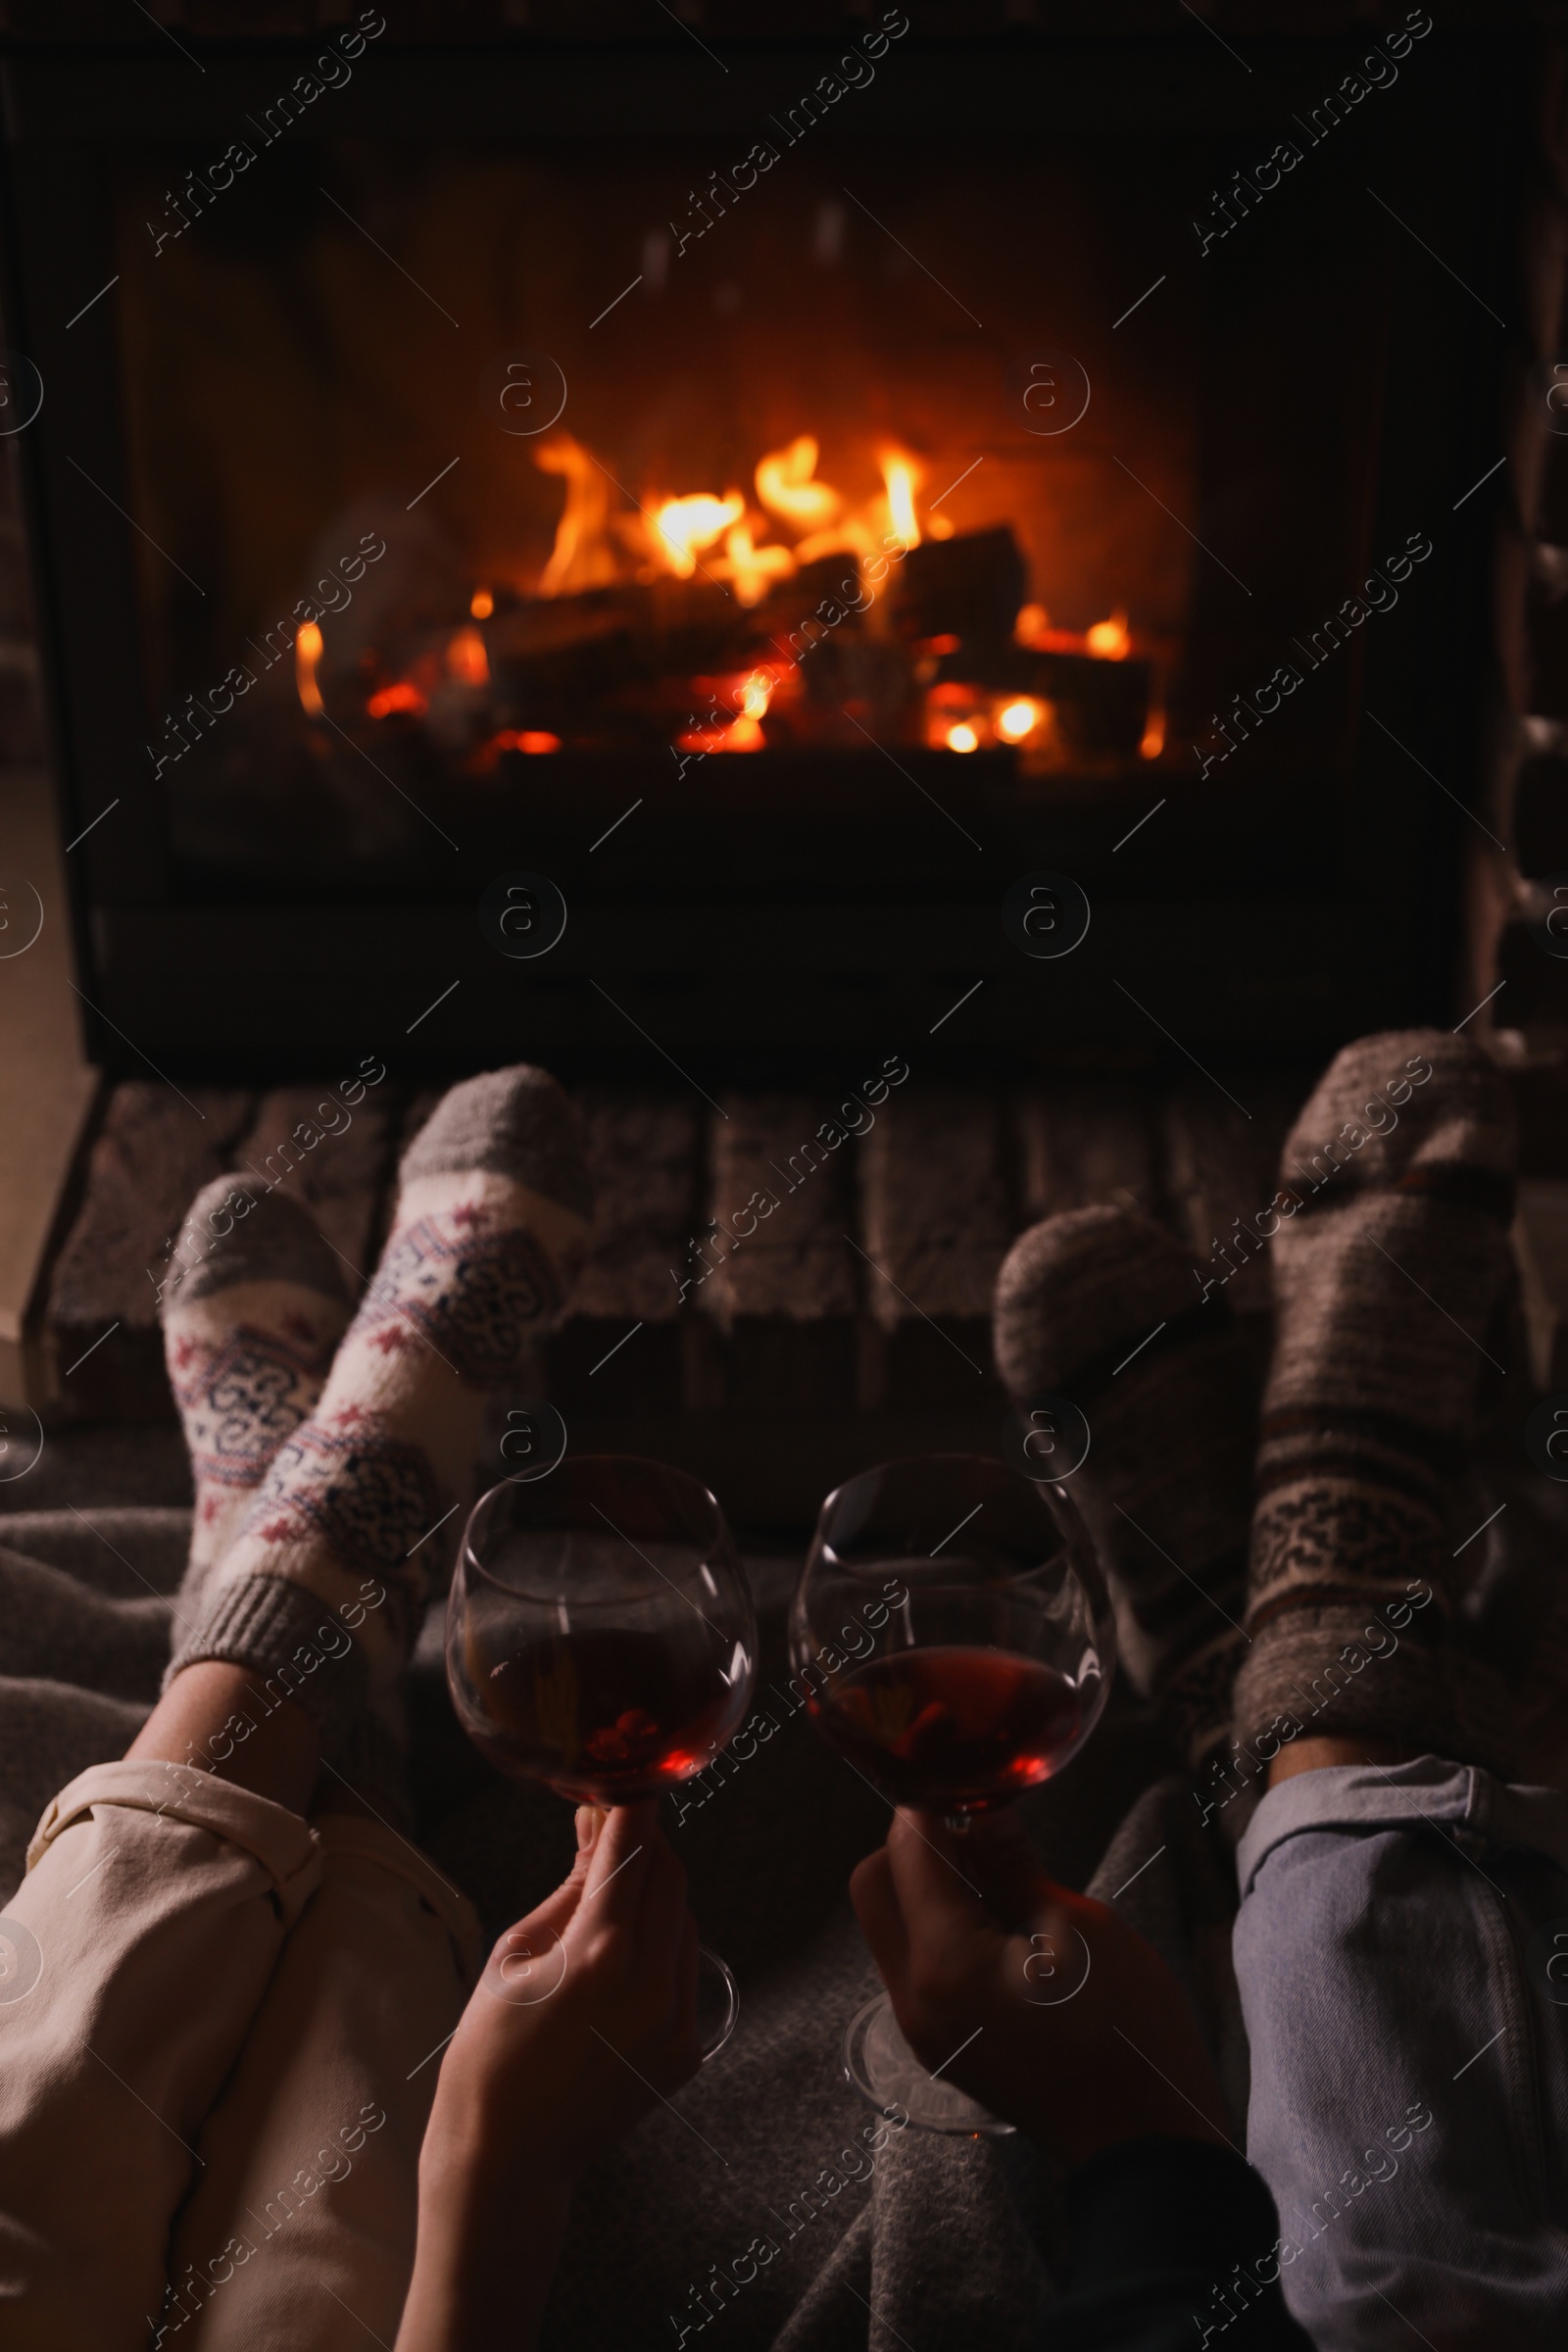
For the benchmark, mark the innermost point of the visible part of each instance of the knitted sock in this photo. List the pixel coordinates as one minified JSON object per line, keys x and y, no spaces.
{"x":1165,"y":1485}
{"x":366,"y":1499}
{"x":252,"y":1309}
{"x":1401,"y":1168}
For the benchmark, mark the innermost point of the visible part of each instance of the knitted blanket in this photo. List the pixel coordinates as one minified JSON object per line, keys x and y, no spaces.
{"x":766,"y":2201}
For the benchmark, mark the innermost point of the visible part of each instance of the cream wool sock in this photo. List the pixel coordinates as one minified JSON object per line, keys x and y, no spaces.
{"x":254,"y":1306}
{"x":364,"y":1502}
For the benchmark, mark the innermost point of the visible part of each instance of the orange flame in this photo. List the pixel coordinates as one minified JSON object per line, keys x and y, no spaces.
{"x":687,"y":523}
{"x":902,"y":477}
{"x":307,"y":654}
{"x":582,"y":555}
{"x":785,"y":488}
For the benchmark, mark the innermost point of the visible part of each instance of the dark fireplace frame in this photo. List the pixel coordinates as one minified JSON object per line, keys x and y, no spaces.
{"x":683,"y":955}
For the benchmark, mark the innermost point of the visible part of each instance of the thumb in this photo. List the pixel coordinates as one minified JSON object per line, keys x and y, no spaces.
{"x":999,"y":1857}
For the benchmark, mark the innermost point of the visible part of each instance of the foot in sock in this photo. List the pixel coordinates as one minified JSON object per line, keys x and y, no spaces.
{"x":1165,"y":1487}
{"x":366,"y":1498}
{"x":252,"y":1312}
{"x":1401,"y":1171}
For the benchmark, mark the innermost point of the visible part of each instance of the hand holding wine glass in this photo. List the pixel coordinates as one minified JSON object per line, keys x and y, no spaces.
{"x":1066,"y":2023}
{"x":583,"y":2018}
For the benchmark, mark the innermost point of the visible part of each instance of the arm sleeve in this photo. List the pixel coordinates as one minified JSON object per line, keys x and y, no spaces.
{"x":1172,"y":2243}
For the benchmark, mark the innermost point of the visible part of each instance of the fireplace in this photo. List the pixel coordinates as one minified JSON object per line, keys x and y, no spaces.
{"x":780,"y":492}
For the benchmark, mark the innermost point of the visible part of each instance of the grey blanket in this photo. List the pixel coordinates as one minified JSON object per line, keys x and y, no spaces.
{"x":761,"y":2167}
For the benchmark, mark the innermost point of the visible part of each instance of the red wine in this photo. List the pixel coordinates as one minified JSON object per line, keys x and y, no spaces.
{"x":608,"y":1715}
{"x":953,"y":1729}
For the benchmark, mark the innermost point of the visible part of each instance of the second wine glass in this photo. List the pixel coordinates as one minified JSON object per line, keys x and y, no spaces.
{"x":955,"y":1635}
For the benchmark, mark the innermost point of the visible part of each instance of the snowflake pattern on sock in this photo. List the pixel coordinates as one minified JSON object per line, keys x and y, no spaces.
{"x":241,"y":1396}
{"x":474,"y":1297}
{"x":369,"y":1496}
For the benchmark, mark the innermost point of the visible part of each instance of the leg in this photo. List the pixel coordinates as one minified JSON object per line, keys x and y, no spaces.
{"x":1409,"y":2061}
{"x":138,"y":1948}
{"x":305,"y":2209}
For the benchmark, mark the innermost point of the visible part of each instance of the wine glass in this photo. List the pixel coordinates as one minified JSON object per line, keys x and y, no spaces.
{"x":601,"y":1639}
{"x":956,"y":1638}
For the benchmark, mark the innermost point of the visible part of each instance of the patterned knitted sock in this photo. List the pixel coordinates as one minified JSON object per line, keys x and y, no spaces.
{"x":366,"y":1498}
{"x":252,"y":1309}
{"x":1100,"y":1306}
{"x":1402,"y":1172}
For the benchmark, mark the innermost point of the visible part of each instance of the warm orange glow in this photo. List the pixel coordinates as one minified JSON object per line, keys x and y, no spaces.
{"x":785,"y":488}
{"x":1154,"y":739}
{"x":1015,"y":720}
{"x":1109,"y":639}
{"x":752,"y":568}
{"x":511,"y":739}
{"x":481,"y":603}
{"x":962,"y":737}
{"x":684,"y":524}
{"x":582,"y":555}
{"x":903,"y":479}
{"x":401,"y":697}
{"x":468,"y":663}
{"x":755,"y":694}
{"x":1033,"y":621}
{"x":307,"y":654}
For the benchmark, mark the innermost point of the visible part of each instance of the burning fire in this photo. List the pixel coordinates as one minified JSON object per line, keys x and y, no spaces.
{"x":798,"y":519}
{"x":748,"y":540}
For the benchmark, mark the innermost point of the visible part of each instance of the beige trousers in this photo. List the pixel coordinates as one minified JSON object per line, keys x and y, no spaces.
{"x":220,"y":2033}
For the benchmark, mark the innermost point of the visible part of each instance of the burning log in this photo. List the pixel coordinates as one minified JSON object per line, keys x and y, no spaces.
{"x":970,"y":587}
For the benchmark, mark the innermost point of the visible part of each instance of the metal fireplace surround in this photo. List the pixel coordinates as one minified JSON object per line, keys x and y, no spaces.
{"x":785,"y":922}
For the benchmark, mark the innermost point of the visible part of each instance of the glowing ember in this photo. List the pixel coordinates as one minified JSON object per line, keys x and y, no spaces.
{"x":1109,"y":639}
{"x":481,"y":603}
{"x":404,"y":695}
{"x":1153,"y":741}
{"x":686,"y":523}
{"x":468,"y":663}
{"x":513,"y":739}
{"x":307,"y":654}
{"x":963,"y":738}
{"x":1015,"y":720}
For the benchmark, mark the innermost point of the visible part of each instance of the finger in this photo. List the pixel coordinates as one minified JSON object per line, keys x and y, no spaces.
{"x":545,"y":1923}
{"x":999,"y":1857}
{"x":618,"y":1867}
{"x":876,"y":1907}
{"x":938,"y":1892}
{"x":662,"y":1914}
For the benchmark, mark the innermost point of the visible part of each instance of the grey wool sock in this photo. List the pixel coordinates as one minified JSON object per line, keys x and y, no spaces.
{"x":252,"y":1309}
{"x":322,"y":1588}
{"x":1100,"y":1306}
{"x":1385,"y":1268}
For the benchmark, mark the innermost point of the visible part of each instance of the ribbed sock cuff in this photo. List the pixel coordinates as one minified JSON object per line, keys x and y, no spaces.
{"x":1323,"y":1669}
{"x":283,"y":1632}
